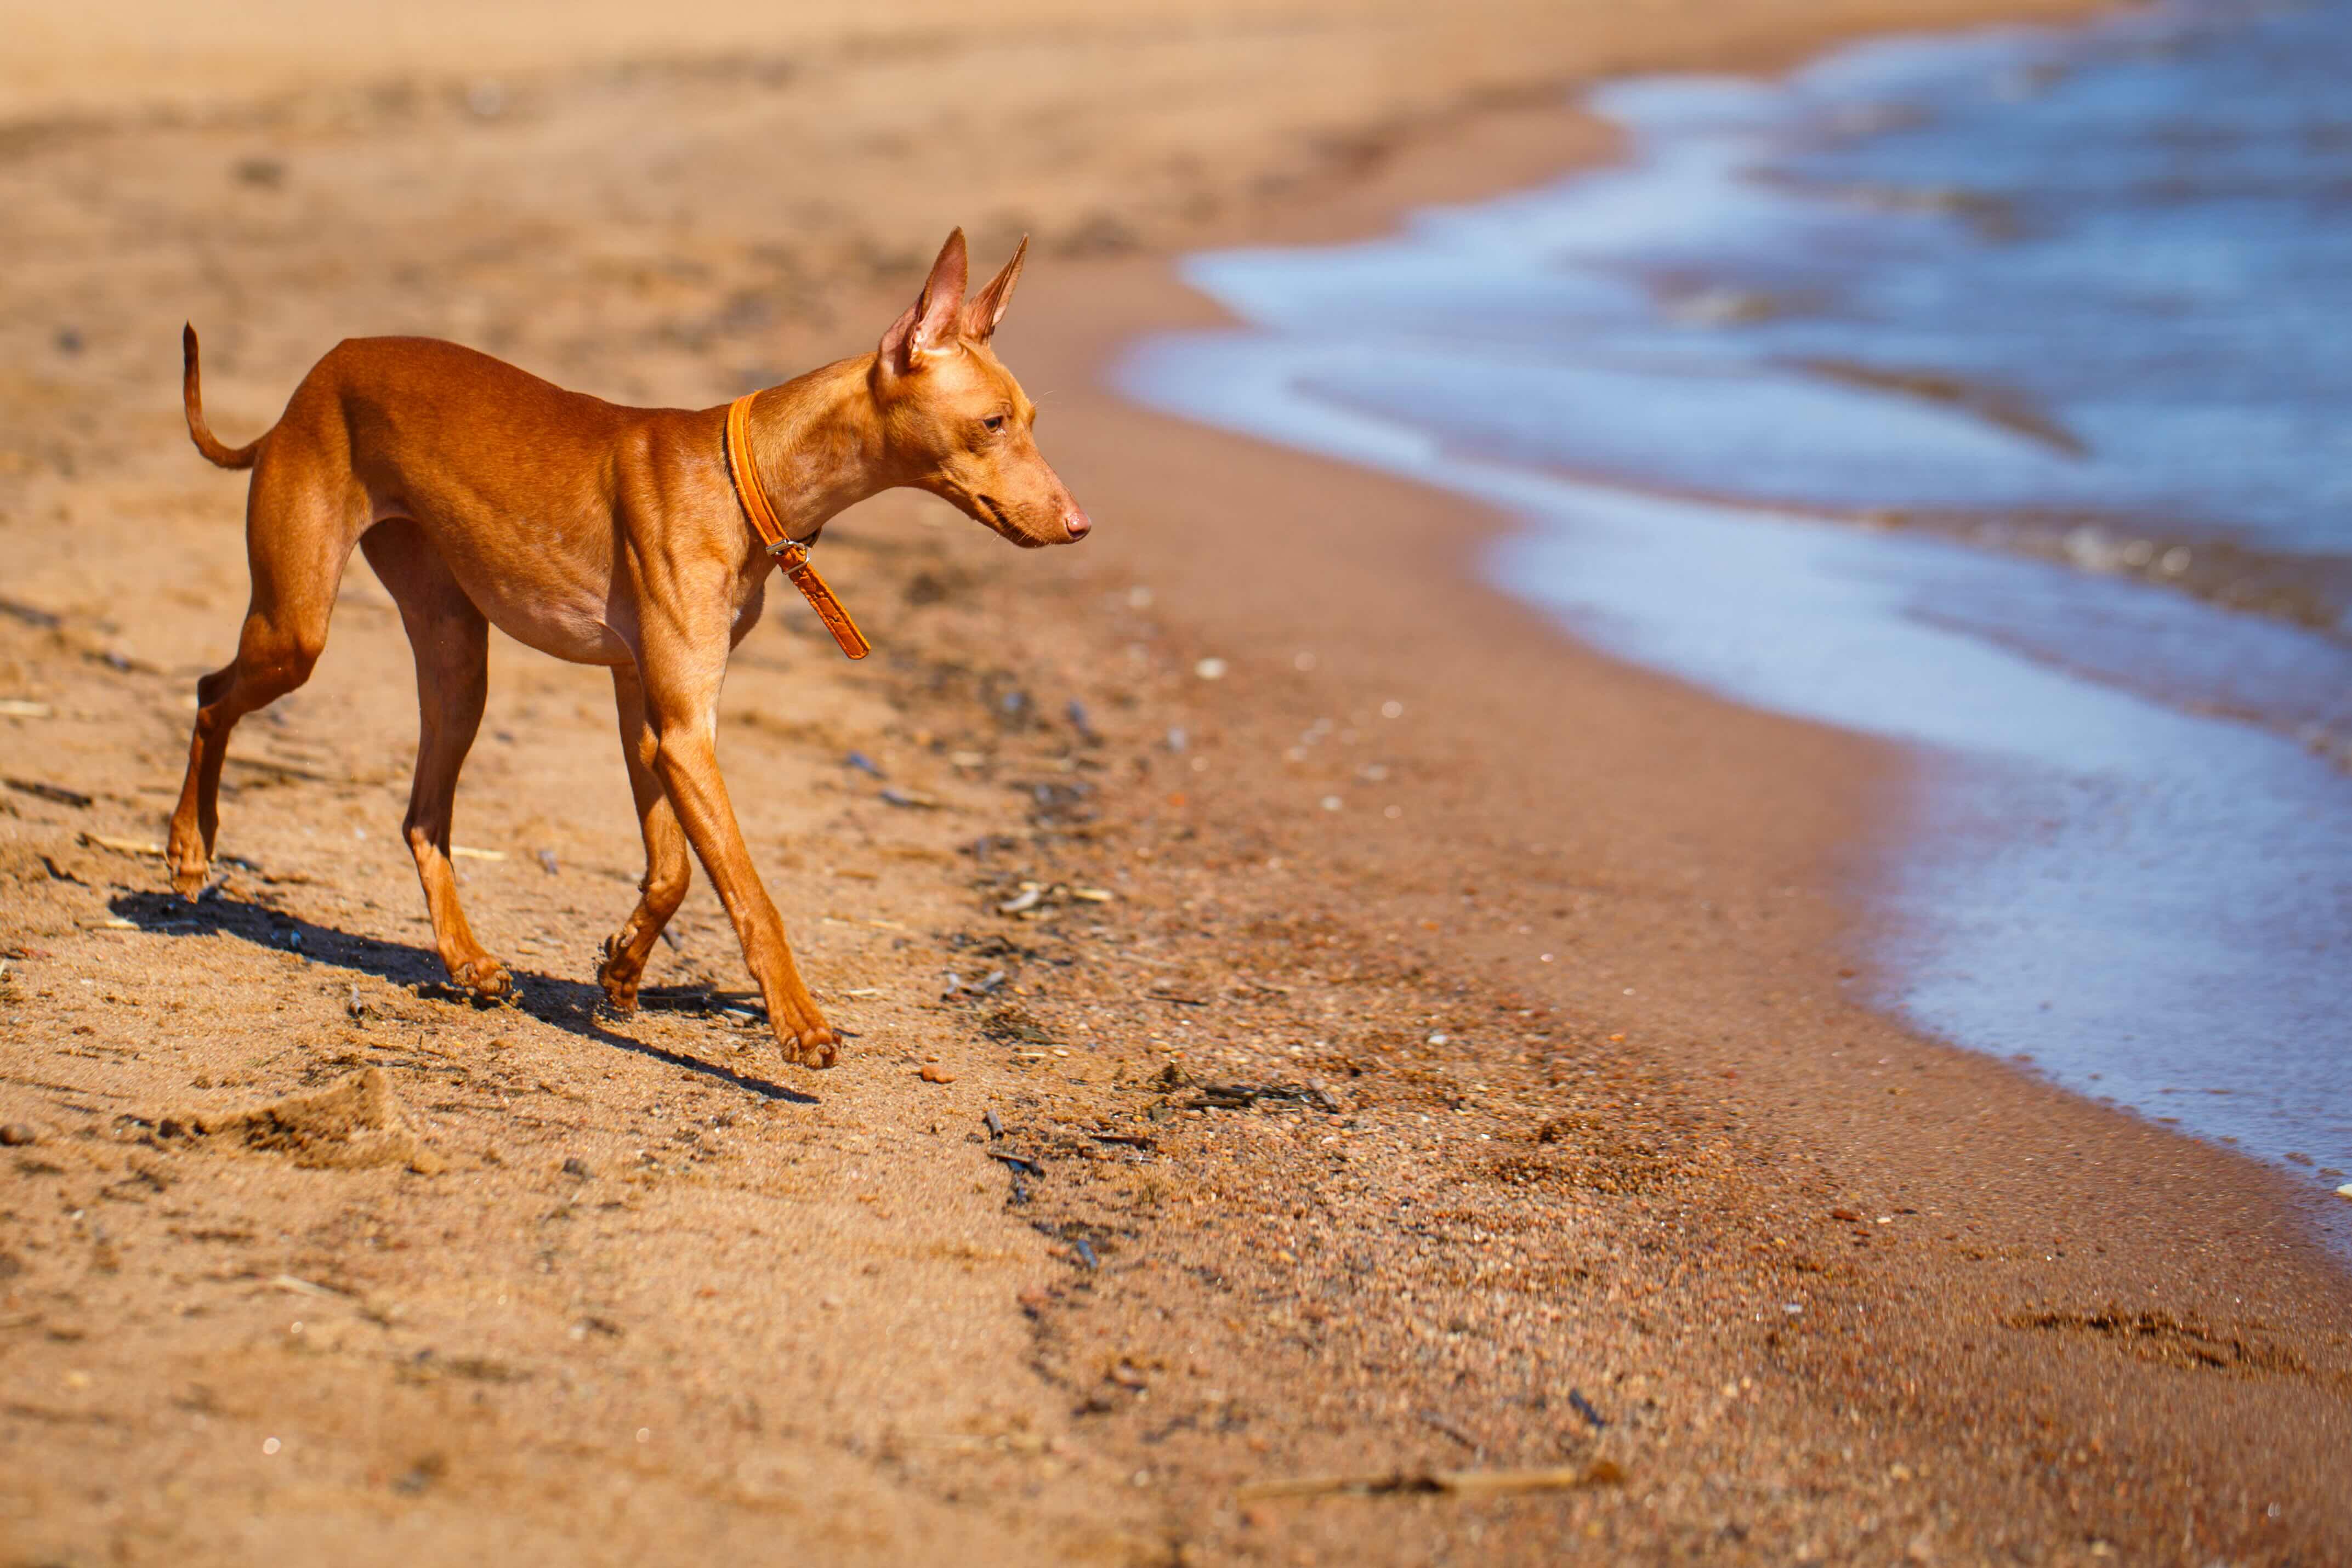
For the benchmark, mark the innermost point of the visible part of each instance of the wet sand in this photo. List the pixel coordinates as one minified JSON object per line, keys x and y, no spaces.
{"x":1669,"y":1205}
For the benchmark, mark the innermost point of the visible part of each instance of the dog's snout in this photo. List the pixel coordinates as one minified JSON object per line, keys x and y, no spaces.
{"x":1075,"y":523}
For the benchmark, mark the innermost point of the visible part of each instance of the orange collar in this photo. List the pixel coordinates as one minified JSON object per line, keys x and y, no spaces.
{"x":792,"y":554}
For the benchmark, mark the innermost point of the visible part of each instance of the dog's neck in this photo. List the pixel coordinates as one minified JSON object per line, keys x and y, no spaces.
{"x":817,"y":445}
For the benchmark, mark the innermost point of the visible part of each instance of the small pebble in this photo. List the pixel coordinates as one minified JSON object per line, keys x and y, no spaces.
{"x":2343,"y":1192}
{"x":934,"y":1073}
{"x":15,"y":1135}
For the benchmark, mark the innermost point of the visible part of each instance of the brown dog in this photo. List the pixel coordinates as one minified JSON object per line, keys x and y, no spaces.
{"x":603,"y":536}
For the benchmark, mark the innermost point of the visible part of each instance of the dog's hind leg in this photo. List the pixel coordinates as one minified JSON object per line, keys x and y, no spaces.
{"x":451,"y":640}
{"x":668,"y":867}
{"x":300,"y":523}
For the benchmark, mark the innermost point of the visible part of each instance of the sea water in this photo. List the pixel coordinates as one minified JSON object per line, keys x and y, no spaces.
{"x":1991,"y":395}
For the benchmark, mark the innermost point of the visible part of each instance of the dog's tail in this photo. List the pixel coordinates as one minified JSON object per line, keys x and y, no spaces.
{"x":201,"y":433}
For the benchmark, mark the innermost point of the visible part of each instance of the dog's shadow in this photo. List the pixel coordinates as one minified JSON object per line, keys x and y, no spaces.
{"x":574,"y":1005}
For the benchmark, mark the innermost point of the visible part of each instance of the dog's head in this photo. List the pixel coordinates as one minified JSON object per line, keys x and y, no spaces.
{"x":957,"y":423}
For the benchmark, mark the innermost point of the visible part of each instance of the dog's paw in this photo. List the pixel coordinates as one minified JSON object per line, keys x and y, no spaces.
{"x":188,"y":865}
{"x":484,"y":977}
{"x":815,"y":1048}
{"x":619,"y":978}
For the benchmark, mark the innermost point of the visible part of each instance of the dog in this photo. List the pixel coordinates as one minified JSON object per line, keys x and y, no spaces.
{"x":633,"y":538}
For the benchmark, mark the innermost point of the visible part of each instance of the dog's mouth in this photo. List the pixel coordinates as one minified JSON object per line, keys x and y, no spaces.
{"x":1000,"y":520}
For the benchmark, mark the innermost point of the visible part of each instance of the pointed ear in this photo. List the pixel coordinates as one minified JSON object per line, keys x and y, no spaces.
{"x":985,"y":308}
{"x":931,"y":321}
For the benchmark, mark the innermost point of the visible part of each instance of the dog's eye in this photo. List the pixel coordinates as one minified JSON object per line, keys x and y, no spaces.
{"x":994,"y":422}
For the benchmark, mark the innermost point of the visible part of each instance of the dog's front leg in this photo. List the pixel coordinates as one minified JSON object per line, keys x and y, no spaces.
{"x":680,"y":674}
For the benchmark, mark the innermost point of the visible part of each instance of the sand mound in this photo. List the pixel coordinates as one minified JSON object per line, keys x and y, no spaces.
{"x":353,"y":1123}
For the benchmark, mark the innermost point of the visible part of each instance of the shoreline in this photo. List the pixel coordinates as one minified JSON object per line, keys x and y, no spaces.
{"x":1498,"y":528}
{"x":1582,"y":544}
{"x":1503,"y":619}
{"x":2153,"y":1197}
{"x":1614,"y":1176}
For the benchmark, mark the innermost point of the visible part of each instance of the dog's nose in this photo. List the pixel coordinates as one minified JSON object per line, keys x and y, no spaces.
{"x":1074,"y":522}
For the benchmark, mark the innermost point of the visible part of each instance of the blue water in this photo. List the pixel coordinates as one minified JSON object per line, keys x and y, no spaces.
{"x":1991,"y":395}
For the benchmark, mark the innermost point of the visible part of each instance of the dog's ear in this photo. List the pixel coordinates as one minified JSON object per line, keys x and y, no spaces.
{"x":930,"y":321}
{"x":985,"y":308}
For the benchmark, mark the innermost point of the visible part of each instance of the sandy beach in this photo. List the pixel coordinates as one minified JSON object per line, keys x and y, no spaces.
{"x":1274,"y":1148}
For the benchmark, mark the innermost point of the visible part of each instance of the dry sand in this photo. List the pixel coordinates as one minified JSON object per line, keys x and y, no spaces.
{"x":308,"y":1257}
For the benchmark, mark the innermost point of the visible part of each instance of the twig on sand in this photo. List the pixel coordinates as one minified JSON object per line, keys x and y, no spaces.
{"x":1433,"y":1419}
{"x":1456,"y":1483}
{"x":120,"y":846}
{"x":289,"y":770}
{"x":31,"y":614}
{"x":1242,"y":1096}
{"x":59,"y":792}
